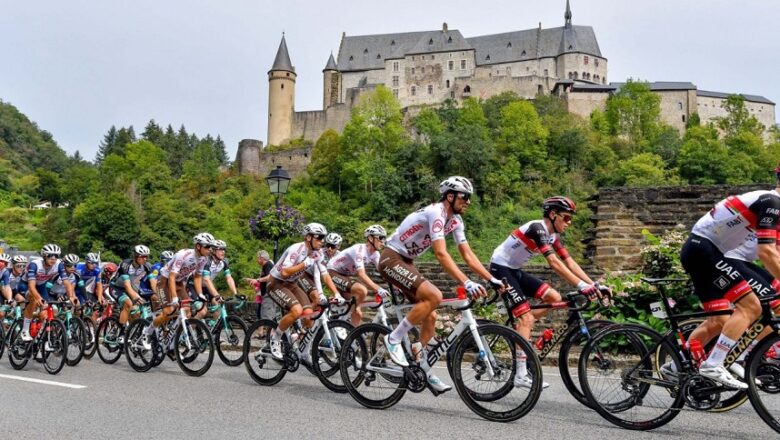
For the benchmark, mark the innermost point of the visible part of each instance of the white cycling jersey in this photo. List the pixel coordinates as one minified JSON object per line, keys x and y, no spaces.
{"x":528,"y":240}
{"x":352,"y":259}
{"x":295,"y":255}
{"x":183,"y":265}
{"x":421,"y":228}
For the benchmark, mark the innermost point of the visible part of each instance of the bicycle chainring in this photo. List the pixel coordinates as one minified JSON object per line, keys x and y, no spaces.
{"x":769,"y":376}
{"x":697,"y":397}
{"x":416,"y":379}
{"x":291,"y":361}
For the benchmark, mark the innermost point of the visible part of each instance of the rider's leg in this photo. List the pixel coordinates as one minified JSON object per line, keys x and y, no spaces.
{"x":427,"y":298}
{"x":748,"y":309}
{"x":358,"y":292}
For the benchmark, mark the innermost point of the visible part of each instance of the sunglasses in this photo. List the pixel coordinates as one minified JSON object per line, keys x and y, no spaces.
{"x":331,"y":246}
{"x":565,"y":217}
{"x":51,"y":256}
{"x":20,"y":266}
{"x":318,"y":237}
{"x":463,"y":196}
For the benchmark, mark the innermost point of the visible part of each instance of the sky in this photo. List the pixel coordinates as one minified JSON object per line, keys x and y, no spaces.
{"x":78,"y":67}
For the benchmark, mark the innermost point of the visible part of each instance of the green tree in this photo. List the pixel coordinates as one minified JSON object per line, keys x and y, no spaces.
{"x":644,"y":169}
{"x":110,"y":219}
{"x":522,"y":136}
{"x":50,"y":186}
{"x":327,"y":161}
{"x":738,"y":119}
{"x":634,"y":112}
{"x":152,"y":133}
{"x":703,"y":159}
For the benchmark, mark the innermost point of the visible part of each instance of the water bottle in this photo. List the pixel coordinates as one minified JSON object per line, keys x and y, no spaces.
{"x":697,"y":351}
{"x":544,"y":338}
{"x":35,"y":327}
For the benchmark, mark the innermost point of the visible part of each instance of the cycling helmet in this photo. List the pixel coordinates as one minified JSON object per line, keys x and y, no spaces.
{"x":51,"y":249}
{"x":110,"y":268}
{"x":314,"y":229}
{"x":166,"y":256}
{"x":6,"y":258}
{"x":375,"y":230}
{"x":558,"y":203}
{"x":19,"y":259}
{"x":71,"y":259}
{"x":93,"y":258}
{"x":219,"y":244}
{"x":203,"y":239}
{"x":333,"y":239}
{"x":456,"y":184}
{"x":141,"y":251}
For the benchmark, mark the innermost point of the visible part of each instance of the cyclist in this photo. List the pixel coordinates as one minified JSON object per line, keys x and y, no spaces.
{"x":352,"y":262}
{"x":718,"y":282}
{"x":91,"y":284}
{"x":534,"y":238}
{"x":419,"y":231}
{"x":40,"y":273}
{"x":5,"y":281}
{"x":19,"y":289}
{"x":283,"y":287}
{"x":307,"y":281}
{"x":65,"y":286}
{"x":126,"y":284}
{"x":150,"y":292}
{"x":173,"y":279}
{"x":216,"y":265}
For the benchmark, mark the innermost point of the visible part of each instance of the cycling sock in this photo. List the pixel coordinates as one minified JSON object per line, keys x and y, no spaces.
{"x":26,"y":325}
{"x":398,"y":334}
{"x":521,"y":364}
{"x":747,"y":351}
{"x":719,"y":352}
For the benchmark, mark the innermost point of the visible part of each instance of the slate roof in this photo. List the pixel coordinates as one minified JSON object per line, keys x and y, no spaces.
{"x":331,"y":64}
{"x":282,"y":60}
{"x":658,"y":86}
{"x":751,"y":98}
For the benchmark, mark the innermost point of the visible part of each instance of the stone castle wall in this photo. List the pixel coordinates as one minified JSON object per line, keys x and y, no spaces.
{"x":310,"y":125}
{"x":252,"y":159}
{"x":620,"y":215}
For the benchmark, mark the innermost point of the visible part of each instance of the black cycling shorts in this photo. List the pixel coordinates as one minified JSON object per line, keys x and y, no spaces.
{"x":521,"y":287}
{"x":759,"y":279}
{"x":714,"y":276}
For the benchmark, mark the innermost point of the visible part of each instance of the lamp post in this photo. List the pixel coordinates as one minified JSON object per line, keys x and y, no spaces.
{"x":278,"y":181}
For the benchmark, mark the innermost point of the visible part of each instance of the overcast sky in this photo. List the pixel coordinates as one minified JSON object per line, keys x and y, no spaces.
{"x":77,"y":67}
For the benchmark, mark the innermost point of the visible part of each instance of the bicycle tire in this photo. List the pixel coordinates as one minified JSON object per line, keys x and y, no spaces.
{"x":18,"y":350}
{"x":76,"y":341}
{"x":759,"y":368}
{"x":574,"y":336}
{"x":256,"y":354}
{"x":108,"y":348}
{"x":500,"y":356}
{"x":140,"y":359}
{"x":56,"y":334}
{"x":234,"y":340}
{"x":90,"y":346}
{"x":635,"y":379}
{"x":325,"y":364}
{"x":200,"y":341}
{"x":2,"y":339}
{"x":355,"y":350}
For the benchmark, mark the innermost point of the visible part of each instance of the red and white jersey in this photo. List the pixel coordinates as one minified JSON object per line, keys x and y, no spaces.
{"x":421,"y":228}
{"x":352,"y":259}
{"x":185,"y":263}
{"x":528,"y":240}
{"x":295,"y":255}
{"x":748,"y":250}
{"x":731,"y":222}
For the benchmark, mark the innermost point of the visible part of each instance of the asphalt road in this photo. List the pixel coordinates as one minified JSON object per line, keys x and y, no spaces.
{"x":112,"y":401}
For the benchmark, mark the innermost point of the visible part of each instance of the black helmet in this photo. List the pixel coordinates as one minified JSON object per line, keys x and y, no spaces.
{"x":558,"y":203}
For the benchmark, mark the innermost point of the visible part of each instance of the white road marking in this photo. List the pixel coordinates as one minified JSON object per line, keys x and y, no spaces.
{"x":42,"y":382}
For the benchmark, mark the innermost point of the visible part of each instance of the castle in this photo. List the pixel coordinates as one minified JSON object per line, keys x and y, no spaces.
{"x":428,"y":67}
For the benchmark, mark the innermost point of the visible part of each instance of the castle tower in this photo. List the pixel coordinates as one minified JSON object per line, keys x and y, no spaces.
{"x":331,"y":89}
{"x":567,"y":16}
{"x":281,"y":97}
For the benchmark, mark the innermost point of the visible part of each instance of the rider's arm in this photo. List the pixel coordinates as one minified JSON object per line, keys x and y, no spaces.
{"x":7,"y":294}
{"x":363,"y":276}
{"x":769,"y":255}
{"x":446,"y":261}
{"x":172,"y":284}
{"x":129,"y":289}
{"x":289,"y":271}
{"x":231,"y":284}
{"x":34,"y":290}
{"x":471,"y":259}
{"x":99,"y":289}
{"x":575,"y":268}
{"x":562,"y":269}
{"x":329,"y":282}
{"x":70,"y":290}
{"x":197,"y":281}
{"x":206,"y":281}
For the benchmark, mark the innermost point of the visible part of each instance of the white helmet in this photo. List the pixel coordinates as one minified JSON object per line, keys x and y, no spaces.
{"x":51,"y":249}
{"x":141,"y":251}
{"x":219,"y":244}
{"x":333,"y":239}
{"x":314,"y":229}
{"x":375,"y":230}
{"x":166,"y":256}
{"x":93,"y":258}
{"x":20,"y":259}
{"x":6,"y":258}
{"x":203,"y":239}
{"x":71,"y":259}
{"x":456,"y":184}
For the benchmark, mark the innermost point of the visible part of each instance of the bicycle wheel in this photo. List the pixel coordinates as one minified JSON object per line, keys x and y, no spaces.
{"x":76,"y":341}
{"x":139,"y":358}
{"x":194,"y":347}
{"x":620,"y":380}
{"x":484,"y":377}
{"x":259,"y":363}
{"x":2,"y":339}
{"x":763,"y":366}
{"x":230,"y":340}
{"x":55,"y":346}
{"x":325,"y":353}
{"x":109,"y":349}
{"x":569,"y":356}
{"x":18,"y":350}
{"x":90,"y":343}
{"x":366,"y":367}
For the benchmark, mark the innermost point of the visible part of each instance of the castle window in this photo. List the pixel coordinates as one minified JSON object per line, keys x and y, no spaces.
{"x":462,"y":64}
{"x":433,"y":57}
{"x":596,"y":62}
{"x":379,"y":56}
{"x":351,"y":58}
{"x":392,"y":43}
{"x":422,"y":69}
{"x":508,"y":71}
{"x":395,"y":66}
{"x":412,"y":70}
{"x":452,"y":95}
{"x":395,"y":93}
{"x":467,"y":89}
{"x":570,"y":48}
{"x":509,"y":45}
{"x":584,"y":75}
{"x":571,"y":75}
{"x":487,"y":57}
{"x":430,"y":89}
{"x":282,"y":85}
{"x":395,"y":81}
{"x":450,"y":65}
{"x":449,"y":40}
{"x":585,"y":59}
{"x":288,"y":73}
{"x":539,"y":90}
{"x":679,"y":106}
{"x":576,"y":75}
{"x":412,"y":58}
{"x":448,"y":84}
{"x":522,"y":54}
{"x":414,"y":90}
{"x":430,"y":42}
{"x":365,"y":51}
{"x":603,"y":80}
{"x":546,"y":72}
{"x":683,"y":118}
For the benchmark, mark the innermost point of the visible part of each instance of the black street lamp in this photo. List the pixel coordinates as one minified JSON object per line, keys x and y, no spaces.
{"x":278,"y":181}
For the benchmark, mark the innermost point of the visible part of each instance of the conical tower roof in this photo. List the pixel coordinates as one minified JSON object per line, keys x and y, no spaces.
{"x":331,"y":64}
{"x":282,"y":60}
